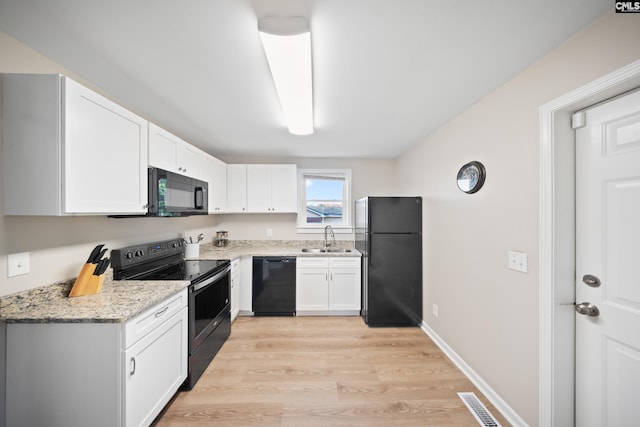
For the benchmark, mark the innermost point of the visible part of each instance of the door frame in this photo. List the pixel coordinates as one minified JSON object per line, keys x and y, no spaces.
{"x":557,"y":242}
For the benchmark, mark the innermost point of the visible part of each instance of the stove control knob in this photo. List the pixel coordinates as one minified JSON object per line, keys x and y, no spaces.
{"x":129,"y":255}
{"x":139,"y":252}
{"x":176,"y":244}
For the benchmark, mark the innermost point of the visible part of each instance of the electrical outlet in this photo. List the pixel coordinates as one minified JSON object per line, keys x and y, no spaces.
{"x":435,"y":310}
{"x":518,"y":261}
{"x":18,"y":264}
{"x":269,"y":232}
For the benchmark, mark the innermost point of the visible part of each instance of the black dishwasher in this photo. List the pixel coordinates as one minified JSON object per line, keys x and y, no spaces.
{"x":274,"y":286}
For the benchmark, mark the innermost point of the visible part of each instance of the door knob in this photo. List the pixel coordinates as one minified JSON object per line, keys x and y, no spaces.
{"x":587,"y":309}
{"x":591,"y":280}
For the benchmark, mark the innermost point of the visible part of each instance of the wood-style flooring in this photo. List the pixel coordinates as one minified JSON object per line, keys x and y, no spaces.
{"x":325,"y":371}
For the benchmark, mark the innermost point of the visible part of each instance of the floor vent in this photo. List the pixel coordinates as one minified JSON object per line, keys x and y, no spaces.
{"x":478,"y":410}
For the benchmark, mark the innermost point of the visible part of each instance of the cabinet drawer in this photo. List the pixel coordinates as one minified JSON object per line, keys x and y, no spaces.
{"x":147,"y":321}
{"x":344,"y":262}
{"x":312,"y":262}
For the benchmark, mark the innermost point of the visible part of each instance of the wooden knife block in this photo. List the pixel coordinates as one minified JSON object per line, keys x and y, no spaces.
{"x":87,"y":283}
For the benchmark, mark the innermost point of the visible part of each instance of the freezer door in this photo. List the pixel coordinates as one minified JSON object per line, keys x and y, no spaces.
{"x":395,"y":214}
{"x":394,"y":283}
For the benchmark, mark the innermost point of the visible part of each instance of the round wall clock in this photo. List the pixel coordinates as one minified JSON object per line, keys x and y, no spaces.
{"x":471,"y":177}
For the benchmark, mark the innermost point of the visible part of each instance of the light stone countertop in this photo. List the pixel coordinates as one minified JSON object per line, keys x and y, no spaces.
{"x":239,"y":248}
{"x":120,"y":301}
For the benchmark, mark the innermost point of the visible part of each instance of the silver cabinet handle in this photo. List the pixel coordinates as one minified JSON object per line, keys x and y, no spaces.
{"x":161,"y":312}
{"x":133,"y":366}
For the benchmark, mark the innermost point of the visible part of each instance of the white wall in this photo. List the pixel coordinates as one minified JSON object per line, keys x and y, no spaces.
{"x":487,"y":313}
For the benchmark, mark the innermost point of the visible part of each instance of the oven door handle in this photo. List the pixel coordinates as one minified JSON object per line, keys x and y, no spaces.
{"x":210,"y":280}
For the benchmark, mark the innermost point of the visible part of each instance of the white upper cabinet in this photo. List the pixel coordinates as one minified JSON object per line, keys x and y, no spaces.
{"x":215,"y":173}
{"x":237,"y":188}
{"x":272,"y":188}
{"x":69,"y":150}
{"x":168,"y":152}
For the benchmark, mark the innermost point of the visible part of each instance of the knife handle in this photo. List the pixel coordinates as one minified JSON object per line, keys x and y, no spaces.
{"x":81,"y":282}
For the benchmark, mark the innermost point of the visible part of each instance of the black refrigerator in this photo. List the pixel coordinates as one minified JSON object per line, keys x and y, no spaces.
{"x":389,"y":236}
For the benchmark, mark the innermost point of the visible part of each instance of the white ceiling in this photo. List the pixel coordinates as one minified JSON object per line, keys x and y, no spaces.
{"x":386,"y":72}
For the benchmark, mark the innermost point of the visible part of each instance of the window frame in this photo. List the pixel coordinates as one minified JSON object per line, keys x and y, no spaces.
{"x":347,"y":224}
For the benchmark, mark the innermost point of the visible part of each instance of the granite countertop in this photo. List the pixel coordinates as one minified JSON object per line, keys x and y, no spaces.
{"x":238,"y":248}
{"x":118,"y":302}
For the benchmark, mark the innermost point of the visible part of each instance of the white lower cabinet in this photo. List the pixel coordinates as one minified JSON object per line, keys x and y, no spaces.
{"x":96,"y":374}
{"x":328,"y":286}
{"x":235,"y":288}
{"x":246,"y":283}
{"x":156,"y":364}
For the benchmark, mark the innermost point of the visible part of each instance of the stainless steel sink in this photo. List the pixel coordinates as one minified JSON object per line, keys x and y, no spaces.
{"x":322,"y":251}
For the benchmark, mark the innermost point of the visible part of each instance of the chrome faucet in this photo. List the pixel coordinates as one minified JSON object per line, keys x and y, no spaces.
{"x":329,"y":229}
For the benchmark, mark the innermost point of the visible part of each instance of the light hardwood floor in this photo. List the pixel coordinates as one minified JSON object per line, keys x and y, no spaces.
{"x":325,"y":371}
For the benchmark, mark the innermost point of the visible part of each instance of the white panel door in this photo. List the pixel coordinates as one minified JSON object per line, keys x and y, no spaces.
{"x":259,"y":188}
{"x":312,"y":290}
{"x":155,"y":368}
{"x":236,"y":188}
{"x":163,"y":149}
{"x":105,"y":155}
{"x":344,"y":289}
{"x":607,"y":248}
{"x":284,"y":188}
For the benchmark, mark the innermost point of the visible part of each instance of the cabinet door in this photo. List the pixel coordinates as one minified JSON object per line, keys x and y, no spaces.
{"x":312,"y":290}
{"x":246,"y":282}
{"x":259,"y":188}
{"x":102,"y":138}
{"x":168,"y":152}
{"x":214,"y":171}
{"x":155,"y":367}
{"x":163,"y":149}
{"x":235,"y":288}
{"x":344,"y":289}
{"x":189,"y":160}
{"x":236,"y":188}
{"x":284,"y":188}
{"x":218,"y":188}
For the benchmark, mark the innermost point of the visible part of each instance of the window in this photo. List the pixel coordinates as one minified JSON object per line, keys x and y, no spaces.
{"x":324,"y":199}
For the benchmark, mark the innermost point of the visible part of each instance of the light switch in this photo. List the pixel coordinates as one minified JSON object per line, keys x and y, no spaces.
{"x":18,"y":264}
{"x":518,"y":261}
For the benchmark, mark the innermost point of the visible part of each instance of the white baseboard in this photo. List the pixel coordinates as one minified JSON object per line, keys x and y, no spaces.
{"x":493,"y":397}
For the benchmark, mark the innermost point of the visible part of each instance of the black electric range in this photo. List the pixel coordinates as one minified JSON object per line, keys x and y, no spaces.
{"x":161,"y":261}
{"x":209,"y":294}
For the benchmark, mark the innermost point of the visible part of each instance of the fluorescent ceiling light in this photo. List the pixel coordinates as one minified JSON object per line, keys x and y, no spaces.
{"x":287,"y":44}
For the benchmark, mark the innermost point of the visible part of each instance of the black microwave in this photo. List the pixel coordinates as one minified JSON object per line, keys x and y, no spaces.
{"x":172,"y":194}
